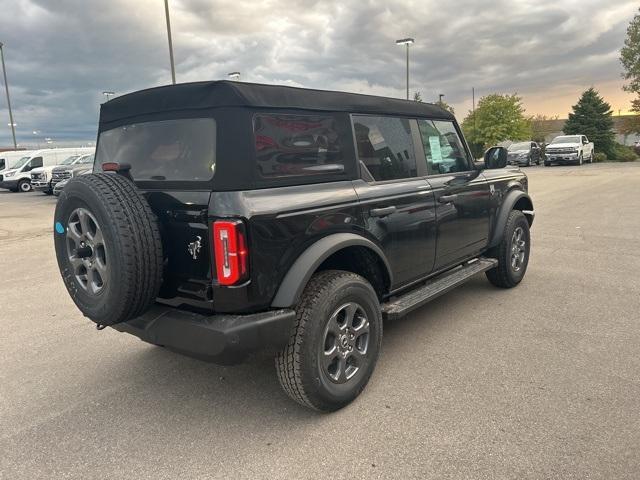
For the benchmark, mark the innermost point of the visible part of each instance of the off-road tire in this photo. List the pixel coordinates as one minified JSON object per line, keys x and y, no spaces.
{"x":503,"y":275}
{"x":547,"y":164}
{"x":131,"y":240}
{"x":298,"y":364}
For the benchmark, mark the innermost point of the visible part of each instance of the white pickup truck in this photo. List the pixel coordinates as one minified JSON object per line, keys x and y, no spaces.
{"x":565,"y":149}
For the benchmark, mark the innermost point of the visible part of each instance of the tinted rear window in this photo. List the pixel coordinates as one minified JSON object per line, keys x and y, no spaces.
{"x":178,"y":150}
{"x":297,"y":145}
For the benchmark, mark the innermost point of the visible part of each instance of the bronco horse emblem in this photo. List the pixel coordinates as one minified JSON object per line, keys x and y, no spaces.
{"x":194,"y":247}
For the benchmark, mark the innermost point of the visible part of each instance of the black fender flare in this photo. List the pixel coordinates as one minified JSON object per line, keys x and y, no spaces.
{"x":306,"y":264}
{"x":508,"y":204}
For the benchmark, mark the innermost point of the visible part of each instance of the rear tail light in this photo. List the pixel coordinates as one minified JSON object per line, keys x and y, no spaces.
{"x":230,"y":251}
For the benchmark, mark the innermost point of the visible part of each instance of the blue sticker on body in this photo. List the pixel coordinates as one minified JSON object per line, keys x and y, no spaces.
{"x":59,"y":227}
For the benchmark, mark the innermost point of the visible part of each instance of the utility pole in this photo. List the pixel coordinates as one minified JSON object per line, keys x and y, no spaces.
{"x":173,"y":67}
{"x":473,"y":100}
{"x":6,"y":86}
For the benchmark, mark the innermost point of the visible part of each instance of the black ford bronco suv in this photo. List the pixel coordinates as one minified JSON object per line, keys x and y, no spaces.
{"x":226,"y":217}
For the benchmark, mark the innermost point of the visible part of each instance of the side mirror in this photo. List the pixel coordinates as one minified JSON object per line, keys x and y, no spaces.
{"x":495,"y":157}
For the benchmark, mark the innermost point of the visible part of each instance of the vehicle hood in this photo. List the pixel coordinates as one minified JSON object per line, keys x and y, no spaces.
{"x":43,"y":170}
{"x":73,"y":168}
{"x":12,"y":170}
{"x":563,"y":145}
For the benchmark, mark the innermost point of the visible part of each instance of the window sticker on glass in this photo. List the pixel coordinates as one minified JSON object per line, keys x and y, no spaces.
{"x":436,"y":153}
{"x":375,"y":137}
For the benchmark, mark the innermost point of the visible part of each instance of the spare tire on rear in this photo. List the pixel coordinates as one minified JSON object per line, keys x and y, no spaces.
{"x":108,"y":247}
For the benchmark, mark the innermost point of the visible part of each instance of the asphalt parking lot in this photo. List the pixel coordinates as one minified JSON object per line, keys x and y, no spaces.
{"x":542,"y":381}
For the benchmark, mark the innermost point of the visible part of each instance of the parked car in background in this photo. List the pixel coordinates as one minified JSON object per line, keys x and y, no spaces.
{"x":18,"y":178}
{"x":11,"y":157}
{"x":62,"y":174}
{"x":524,"y":153}
{"x":569,"y":149}
{"x":41,"y":177}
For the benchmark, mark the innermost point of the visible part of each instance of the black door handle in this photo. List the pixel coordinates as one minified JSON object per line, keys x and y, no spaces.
{"x":448,"y":198}
{"x":382,"y":212}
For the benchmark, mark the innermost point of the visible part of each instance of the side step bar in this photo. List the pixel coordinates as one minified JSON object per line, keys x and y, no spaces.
{"x":403,"y":304}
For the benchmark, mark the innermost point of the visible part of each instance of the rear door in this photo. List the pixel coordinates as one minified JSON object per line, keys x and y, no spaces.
{"x":461,"y":193}
{"x":172,"y":162}
{"x":397,"y":203}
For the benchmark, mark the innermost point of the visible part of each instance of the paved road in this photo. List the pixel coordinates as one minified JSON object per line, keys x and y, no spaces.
{"x":542,"y":381}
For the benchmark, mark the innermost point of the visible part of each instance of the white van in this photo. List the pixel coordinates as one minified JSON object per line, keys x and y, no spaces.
{"x":10,"y":157}
{"x":18,"y":178}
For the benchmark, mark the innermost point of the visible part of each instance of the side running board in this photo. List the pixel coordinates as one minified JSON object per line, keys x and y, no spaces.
{"x":403,"y":304}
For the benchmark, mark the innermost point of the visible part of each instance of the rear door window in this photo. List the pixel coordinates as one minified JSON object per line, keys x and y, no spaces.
{"x":297,"y":145}
{"x":173,"y":150}
{"x":385,"y":147}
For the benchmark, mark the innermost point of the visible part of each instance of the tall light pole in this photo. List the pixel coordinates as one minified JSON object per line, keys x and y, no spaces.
{"x":6,"y":86}
{"x":407,"y":42}
{"x":173,"y":67}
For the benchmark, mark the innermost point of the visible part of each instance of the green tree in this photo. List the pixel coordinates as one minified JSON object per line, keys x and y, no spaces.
{"x":446,"y":106}
{"x":591,"y":116}
{"x":630,"y":56}
{"x":497,"y":118}
{"x":417,"y":97}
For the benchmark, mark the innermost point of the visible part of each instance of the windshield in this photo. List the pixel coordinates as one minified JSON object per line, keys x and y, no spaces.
{"x":182,"y":149}
{"x":70,"y":160}
{"x":21,"y":162}
{"x":85,"y":159}
{"x":573,"y":139}
{"x":519,"y":146}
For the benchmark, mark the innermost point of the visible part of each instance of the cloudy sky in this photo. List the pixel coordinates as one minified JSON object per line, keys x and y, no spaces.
{"x":62,"y":54}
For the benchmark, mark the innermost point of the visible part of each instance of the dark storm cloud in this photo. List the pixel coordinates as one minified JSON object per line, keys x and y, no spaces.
{"x":61,"y":55}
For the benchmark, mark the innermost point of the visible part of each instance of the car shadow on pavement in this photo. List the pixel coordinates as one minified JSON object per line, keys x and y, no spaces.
{"x":197,"y":391}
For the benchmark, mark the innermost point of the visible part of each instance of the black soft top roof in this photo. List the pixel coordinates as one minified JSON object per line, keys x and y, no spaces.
{"x":224,"y":93}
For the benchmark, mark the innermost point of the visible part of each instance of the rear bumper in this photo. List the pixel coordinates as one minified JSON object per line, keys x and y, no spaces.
{"x":221,"y":338}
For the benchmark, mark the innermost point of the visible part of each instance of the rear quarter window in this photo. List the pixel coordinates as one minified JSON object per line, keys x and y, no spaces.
{"x":297,"y":145}
{"x":167,"y":150}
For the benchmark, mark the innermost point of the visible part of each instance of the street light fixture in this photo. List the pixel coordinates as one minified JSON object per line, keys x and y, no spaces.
{"x":108,"y":94}
{"x":6,"y":86}
{"x":407,"y":42}
{"x":234,"y":76}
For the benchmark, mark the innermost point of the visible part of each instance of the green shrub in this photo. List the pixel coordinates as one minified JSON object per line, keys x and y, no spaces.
{"x":624,"y":154}
{"x":600,"y":157}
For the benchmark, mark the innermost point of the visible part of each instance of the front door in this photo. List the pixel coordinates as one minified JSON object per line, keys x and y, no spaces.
{"x":461,"y":193}
{"x":397,"y":204}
